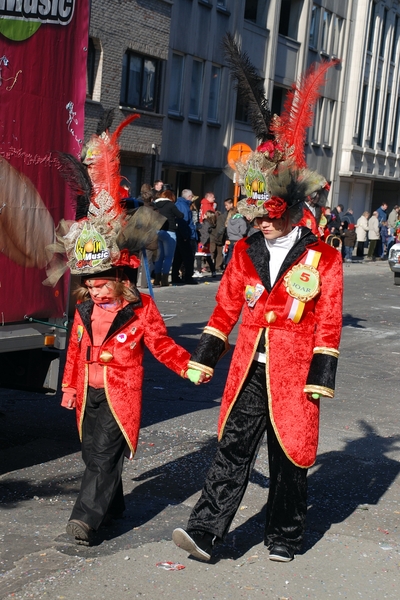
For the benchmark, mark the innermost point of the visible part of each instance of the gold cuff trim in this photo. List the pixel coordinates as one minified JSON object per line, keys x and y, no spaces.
{"x":65,"y":385}
{"x":323,"y":350}
{"x":215,"y":332}
{"x":200,"y":367}
{"x":182,"y":373}
{"x":319,"y":389}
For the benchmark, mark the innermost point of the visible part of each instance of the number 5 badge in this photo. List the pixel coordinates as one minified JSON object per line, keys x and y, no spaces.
{"x":302,"y":282}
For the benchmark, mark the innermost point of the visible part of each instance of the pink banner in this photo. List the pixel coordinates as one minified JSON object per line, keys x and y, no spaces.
{"x":43,"y":53}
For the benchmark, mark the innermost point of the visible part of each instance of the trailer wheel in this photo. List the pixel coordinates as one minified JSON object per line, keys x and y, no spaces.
{"x":397,"y":279}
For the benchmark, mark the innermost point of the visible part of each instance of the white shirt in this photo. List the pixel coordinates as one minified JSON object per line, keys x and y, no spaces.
{"x":278,"y":250}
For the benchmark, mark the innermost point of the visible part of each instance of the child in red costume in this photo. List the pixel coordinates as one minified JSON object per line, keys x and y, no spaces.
{"x":103,"y":381}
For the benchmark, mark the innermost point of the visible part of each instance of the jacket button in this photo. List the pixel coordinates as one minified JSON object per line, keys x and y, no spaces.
{"x":106,"y":356}
{"x":270,"y":317}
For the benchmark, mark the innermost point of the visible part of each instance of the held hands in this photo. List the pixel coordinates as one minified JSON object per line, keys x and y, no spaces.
{"x":68,"y":400}
{"x":313,"y":397}
{"x":197,"y":377}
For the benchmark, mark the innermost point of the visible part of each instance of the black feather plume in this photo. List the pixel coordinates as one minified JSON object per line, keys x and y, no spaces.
{"x":106,"y":121}
{"x":250,"y":88}
{"x":76,"y":175}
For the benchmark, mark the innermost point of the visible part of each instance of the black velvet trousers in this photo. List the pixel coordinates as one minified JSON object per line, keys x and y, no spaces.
{"x":103,"y":449}
{"x":229,"y":474}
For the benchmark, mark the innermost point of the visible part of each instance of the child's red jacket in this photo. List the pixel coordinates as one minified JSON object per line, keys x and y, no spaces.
{"x":137,"y":325}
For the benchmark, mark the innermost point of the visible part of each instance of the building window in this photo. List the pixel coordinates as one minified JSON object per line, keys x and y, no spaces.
{"x":396,"y":127}
{"x":221,"y":3}
{"x":213,"y":99}
{"x":316,"y":132}
{"x":383,"y":33}
{"x":385,"y":122}
{"x":289,"y":17}
{"x":94,"y":69}
{"x":337,"y":36}
{"x":139,"y":81}
{"x":371,"y":28}
{"x":395,"y":38}
{"x":374,"y":123}
{"x":90,"y":69}
{"x":176,"y":81}
{"x":196,"y":89}
{"x":361,"y":122}
{"x":256,"y":11}
{"x":326,"y":24}
{"x":314,"y":27}
{"x":328,"y":118}
{"x":278,"y":100}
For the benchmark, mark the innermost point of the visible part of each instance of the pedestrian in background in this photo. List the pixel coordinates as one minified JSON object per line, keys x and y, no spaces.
{"x":185,"y":235}
{"x":236,"y":229}
{"x":349,"y":241}
{"x":207,"y":203}
{"x":374,"y":236}
{"x":165,"y":205}
{"x":361,"y":233}
{"x":203,"y":246}
{"x":157,"y":188}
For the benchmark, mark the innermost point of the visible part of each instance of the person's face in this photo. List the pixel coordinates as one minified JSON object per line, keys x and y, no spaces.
{"x":101,"y":290}
{"x":313,"y":200}
{"x":228,"y":205}
{"x":158,"y":186}
{"x":274,"y":228}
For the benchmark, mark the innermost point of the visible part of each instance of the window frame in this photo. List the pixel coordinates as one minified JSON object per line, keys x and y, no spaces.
{"x":129,"y":54}
{"x":179,"y":110}
{"x":214,"y":119}
{"x":196,"y":83}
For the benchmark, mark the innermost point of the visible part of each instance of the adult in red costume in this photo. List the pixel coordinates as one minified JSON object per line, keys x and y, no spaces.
{"x":313,"y":213}
{"x":287,"y":287}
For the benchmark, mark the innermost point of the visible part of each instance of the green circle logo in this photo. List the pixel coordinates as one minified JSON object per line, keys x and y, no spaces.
{"x":18,"y":30}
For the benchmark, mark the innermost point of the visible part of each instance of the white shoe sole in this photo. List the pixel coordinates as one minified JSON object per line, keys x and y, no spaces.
{"x":184,"y":541}
{"x":278,"y":558}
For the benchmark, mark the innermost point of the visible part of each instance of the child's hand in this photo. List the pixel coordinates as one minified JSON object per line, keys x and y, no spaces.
{"x":68,"y":400}
{"x":197,"y":377}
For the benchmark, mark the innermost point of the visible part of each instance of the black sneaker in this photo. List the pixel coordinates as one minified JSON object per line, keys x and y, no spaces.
{"x":199,"y":545}
{"x":281,"y":553}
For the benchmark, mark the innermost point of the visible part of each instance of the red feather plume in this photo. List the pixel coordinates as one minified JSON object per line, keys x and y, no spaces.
{"x":105,"y":168}
{"x":298,"y":114}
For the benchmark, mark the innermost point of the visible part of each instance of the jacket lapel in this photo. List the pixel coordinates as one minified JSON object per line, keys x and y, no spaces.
{"x":85,"y":310}
{"x":259,"y":255}
{"x":306,"y":238}
{"x":122,"y":317}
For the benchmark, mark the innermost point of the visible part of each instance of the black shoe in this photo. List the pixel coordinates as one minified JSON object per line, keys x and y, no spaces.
{"x":280,"y":553}
{"x":199,"y":545}
{"x":190,"y":282}
{"x":80,"y":531}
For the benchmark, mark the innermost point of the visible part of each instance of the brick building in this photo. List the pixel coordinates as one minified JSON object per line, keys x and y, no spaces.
{"x":128,"y":45}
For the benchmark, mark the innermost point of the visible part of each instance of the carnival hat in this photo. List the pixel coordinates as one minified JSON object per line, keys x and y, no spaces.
{"x":105,"y":235}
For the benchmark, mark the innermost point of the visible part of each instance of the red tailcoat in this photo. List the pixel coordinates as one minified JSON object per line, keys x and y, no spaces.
{"x":312,"y":222}
{"x":300,"y":356}
{"x":136,"y":325}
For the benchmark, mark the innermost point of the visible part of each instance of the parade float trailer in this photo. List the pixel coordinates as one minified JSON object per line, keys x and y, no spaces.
{"x":43,"y":53}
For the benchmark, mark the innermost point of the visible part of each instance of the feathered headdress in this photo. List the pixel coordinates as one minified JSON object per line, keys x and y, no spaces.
{"x":103,"y":236}
{"x":282,"y":137}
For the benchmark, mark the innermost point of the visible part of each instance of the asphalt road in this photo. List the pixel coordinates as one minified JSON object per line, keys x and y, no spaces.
{"x":352,"y":547}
